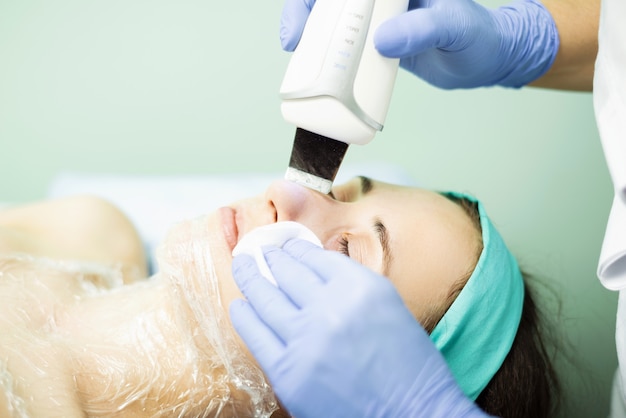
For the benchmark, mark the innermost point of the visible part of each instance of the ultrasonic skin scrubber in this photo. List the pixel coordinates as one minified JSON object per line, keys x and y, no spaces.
{"x":337,"y":87}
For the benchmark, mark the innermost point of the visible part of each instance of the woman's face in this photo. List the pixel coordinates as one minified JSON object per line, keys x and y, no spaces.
{"x":420,"y":240}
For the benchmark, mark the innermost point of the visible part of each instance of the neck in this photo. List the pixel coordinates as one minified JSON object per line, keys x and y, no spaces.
{"x":122,"y":345}
{"x":147,"y":355}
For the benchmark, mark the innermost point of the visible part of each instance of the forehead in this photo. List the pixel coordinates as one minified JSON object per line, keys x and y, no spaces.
{"x":433,"y":241}
{"x":415,"y":204}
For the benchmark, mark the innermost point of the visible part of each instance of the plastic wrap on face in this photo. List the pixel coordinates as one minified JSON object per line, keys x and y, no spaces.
{"x":237,"y":387}
{"x":75,"y":341}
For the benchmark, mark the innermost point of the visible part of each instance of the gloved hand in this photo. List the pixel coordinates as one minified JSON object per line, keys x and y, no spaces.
{"x":457,"y":43}
{"x":292,"y":21}
{"x":336,"y":340}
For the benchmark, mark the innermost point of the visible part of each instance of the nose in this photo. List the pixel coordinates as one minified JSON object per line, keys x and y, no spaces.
{"x":297,"y":203}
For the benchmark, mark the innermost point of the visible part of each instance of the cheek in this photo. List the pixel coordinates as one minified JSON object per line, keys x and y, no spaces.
{"x":370,"y":257}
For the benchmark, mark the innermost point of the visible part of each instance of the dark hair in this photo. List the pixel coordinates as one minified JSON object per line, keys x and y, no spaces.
{"x":526,"y":385}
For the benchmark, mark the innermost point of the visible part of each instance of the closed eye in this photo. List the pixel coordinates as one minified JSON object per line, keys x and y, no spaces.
{"x":344,"y":245}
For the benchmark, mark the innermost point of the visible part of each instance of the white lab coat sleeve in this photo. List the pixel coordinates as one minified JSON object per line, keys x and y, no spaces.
{"x":609,"y":88}
{"x":609,"y":93}
{"x":618,"y":395}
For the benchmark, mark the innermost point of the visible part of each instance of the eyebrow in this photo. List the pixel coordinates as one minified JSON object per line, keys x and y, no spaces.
{"x":379,"y":227}
{"x":366,"y":184}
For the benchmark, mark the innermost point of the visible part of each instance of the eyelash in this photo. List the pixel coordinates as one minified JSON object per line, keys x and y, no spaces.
{"x":343,"y":245}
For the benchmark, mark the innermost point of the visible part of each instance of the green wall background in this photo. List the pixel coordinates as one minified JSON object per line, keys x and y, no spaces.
{"x":188,"y":86}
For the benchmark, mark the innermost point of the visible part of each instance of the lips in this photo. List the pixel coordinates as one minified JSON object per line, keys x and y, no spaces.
{"x":229,"y":226}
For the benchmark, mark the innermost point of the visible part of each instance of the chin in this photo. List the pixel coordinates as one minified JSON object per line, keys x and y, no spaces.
{"x":196,"y":255}
{"x":221,"y":254}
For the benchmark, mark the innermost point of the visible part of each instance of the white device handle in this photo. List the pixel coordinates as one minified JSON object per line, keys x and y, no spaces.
{"x":337,"y":84}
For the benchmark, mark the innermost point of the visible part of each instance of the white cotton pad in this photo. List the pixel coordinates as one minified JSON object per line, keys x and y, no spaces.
{"x":273,"y":234}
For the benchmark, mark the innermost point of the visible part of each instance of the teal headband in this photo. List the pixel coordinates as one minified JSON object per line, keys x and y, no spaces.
{"x":477,"y":331}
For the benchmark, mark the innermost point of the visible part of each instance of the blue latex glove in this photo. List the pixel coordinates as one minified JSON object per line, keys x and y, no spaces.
{"x":336,"y":340}
{"x":457,"y":43}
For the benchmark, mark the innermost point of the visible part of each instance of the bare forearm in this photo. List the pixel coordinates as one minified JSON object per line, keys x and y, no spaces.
{"x":577,"y":23}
